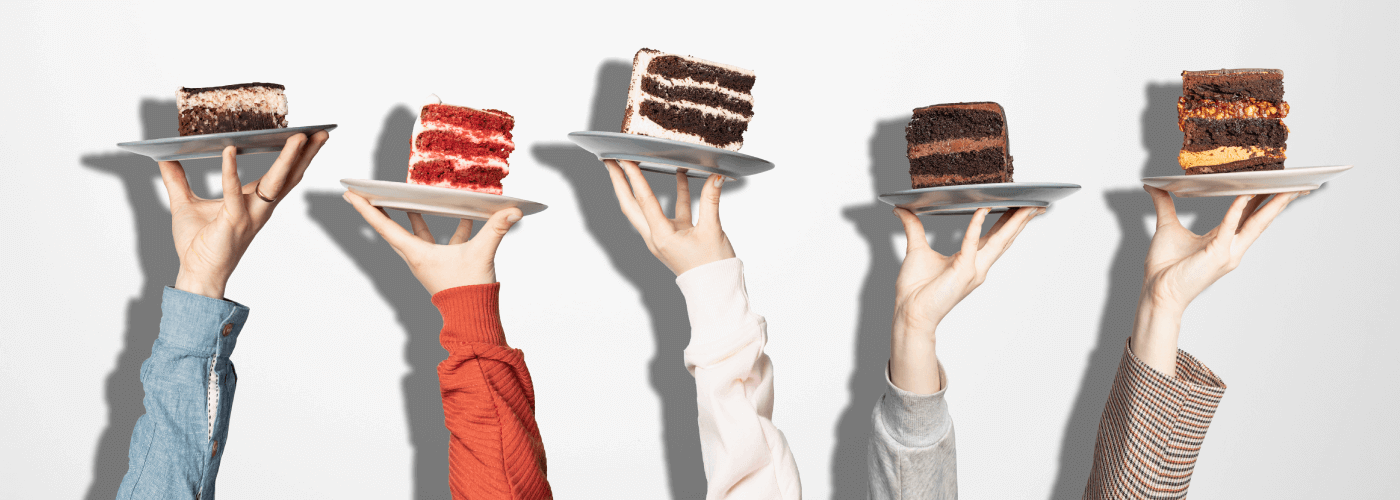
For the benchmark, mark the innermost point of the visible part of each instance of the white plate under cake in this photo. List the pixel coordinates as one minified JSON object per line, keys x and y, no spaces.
{"x":967,"y":198}
{"x":1239,"y":183}
{"x":447,"y":202}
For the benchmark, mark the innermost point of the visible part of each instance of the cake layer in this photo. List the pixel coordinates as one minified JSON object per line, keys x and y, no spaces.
{"x":469,"y":118}
{"x":1227,"y":154}
{"x":927,"y":181}
{"x":700,"y":70}
{"x":955,"y":146}
{"x":1202,"y":134}
{"x":712,"y":129}
{"x":452,"y":174}
{"x":1249,"y":165}
{"x":1225,"y":110}
{"x":969,"y":163}
{"x":1232,"y":84}
{"x":943,"y":122}
{"x":698,"y":95}
{"x":466,"y":146}
{"x":231,"y":108}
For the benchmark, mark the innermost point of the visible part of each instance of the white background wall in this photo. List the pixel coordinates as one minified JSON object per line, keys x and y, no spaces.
{"x":338,"y":390}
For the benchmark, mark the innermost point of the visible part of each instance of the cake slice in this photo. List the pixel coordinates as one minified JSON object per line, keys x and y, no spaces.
{"x":460,"y":147}
{"x":231,"y":108}
{"x":1232,"y":120}
{"x":960,"y":143}
{"x":688,"y":99}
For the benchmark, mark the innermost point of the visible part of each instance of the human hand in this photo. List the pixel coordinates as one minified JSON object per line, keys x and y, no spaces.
{"x":677,"y":243}
{"x":930,"y":284}
{"x":211,"y":235}
{"x":439,"y":267}
{"x":1181,"y":264}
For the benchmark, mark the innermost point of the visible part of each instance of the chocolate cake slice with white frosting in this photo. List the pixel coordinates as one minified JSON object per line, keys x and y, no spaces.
{"x":959,"y":143}
{"x":688,"y":99}
{"x":231,"y":108}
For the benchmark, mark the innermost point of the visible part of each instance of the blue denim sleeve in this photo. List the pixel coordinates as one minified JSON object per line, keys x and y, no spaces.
{"x":189,"y":383}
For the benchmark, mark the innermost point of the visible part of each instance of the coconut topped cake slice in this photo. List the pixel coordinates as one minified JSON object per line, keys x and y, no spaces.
{"x":688,"y":99}
{"x":231,"y":108}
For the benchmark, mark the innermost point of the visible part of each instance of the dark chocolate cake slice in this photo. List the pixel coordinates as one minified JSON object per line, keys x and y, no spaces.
{"x":688,"y":99}
{"x":960,"y":143}
{"x":231,"y":108}
{"x":1232,"y":120}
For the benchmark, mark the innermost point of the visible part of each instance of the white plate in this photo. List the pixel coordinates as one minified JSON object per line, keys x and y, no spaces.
{"x":447,"y":202}
{"x":1238,"y":183}
{"x":967,"y":198}
{"x":190,"y":147}
{"x":667,"y":156}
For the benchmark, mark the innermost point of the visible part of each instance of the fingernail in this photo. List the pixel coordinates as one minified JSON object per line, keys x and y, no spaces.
{"x":512,"y":218}
{"x":345,"y":196}
{"x":719,"y":181}
{"x":1042,"y":211}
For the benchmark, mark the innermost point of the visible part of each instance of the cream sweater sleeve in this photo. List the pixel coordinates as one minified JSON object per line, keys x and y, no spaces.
{"x":745,"y":455}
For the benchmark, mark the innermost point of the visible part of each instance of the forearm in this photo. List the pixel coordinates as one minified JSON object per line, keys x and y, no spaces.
{"x":914,"y":358}
{"x":1152,"y":428}
{"x":488,"y":401}
{"x":1156,"y":331}
{"x":176,"y":447}
{"x":745,"y":454}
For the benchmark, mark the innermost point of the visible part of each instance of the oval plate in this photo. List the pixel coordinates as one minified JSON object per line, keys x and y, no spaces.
{"x":967,"y":198}
{"x":190,"y":147}
{"x":667,"y":156}
{"x":1238,"y":183}
{"x":447,"y":202}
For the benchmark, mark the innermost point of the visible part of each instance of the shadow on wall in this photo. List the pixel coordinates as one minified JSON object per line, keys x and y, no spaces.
{"x":412,"y":303}
{"x":1133,"y":208}
{"x":155,"y":251}
{"x":878,"y":226}
{"x":655,"y":283}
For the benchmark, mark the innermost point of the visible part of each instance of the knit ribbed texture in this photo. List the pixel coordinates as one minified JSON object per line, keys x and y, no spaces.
{"x":488,"y":402}
{"x":1152,"y":429}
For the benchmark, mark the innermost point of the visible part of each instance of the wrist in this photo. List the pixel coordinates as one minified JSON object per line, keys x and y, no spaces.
{"x":1156,"y":332}
{"x":185,"y":281}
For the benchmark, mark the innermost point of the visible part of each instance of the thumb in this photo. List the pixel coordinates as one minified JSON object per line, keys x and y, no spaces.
{"x":496,"y":228}
{"x":709,"y":201}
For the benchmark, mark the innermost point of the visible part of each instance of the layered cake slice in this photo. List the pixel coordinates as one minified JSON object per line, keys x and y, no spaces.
{"x":688,"y":99}
{"x":231,"y":108}
{"x":960,"y":143}
{"x":1232,"y":120}
{"x":460,"y":147}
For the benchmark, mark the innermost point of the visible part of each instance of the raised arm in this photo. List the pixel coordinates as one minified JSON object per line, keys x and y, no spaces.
{"x":912,"y":453}
{"x":745,"y":454}
{"x":1163,"y":400}
{"x":488,"y":399}
{"x":177,"y":445}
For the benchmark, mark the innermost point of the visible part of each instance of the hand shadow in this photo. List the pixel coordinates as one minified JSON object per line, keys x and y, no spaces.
{"x":878,"y":225}
{"x":412,"y":303}
{"x":155,"y":251}
{"x":630,"y":258}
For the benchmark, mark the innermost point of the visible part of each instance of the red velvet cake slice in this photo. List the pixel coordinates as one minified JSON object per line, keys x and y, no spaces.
{"x":460,"y":147}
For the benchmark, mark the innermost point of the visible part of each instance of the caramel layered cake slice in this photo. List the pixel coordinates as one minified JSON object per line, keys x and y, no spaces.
{"x":231,"y":108}
{"x":687,"y":99}
{"x":961,"y":143}
{"x":460,"y":147}
{"x":1231,"y":119}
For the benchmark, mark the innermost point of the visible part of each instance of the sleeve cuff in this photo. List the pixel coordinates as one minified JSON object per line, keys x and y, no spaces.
{"x":915,"y":420}
{"x":718,"y":306}
{"x":470,"y":314}
{"x":200,"y":324}
{"x":1191,"y":373}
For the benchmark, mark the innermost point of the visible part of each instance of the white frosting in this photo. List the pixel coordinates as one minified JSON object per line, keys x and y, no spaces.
{"x":264,"y":99}
{"x":645,"y":126}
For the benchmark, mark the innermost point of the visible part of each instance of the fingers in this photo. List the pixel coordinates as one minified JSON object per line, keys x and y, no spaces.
{"x":420,"y":227}
{"x":709,"y":201}
{"x":391,"y":231}
{"x":1250,"y":208}
{"x":496,"y":228}
{"x":682,"y":197}
{"x":234,"y":204}
{"x":913,"y":230}
{"x":1261,"y":219}
{"x":974,"y":233}
{"x":1231,"y":222}
{"x":646,"y":200}
{"x":276,"y":177}
{"x":464,"y":231}
{"x":625,"y":201}
{"x":1001,"y":238}
{"x":1166,"y":210}
{"x":304,"y":161}
{"x":177,"y":186}
{"x":1001,"y":221}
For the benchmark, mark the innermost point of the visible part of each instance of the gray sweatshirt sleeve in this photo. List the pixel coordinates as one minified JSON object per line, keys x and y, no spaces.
{"x":912,"y":454}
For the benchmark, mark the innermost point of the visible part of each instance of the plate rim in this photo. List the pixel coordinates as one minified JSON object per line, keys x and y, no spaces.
{"x":224,"y":135}
{"x":963,"y":208}
{"x":348,"y":183}
{"x":763,"y":165}
{"x":962,"y":187}
{"x":1316,"y":169}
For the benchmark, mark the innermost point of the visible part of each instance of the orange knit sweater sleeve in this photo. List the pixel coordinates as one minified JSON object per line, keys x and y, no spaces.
{"x":488,"y":402}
